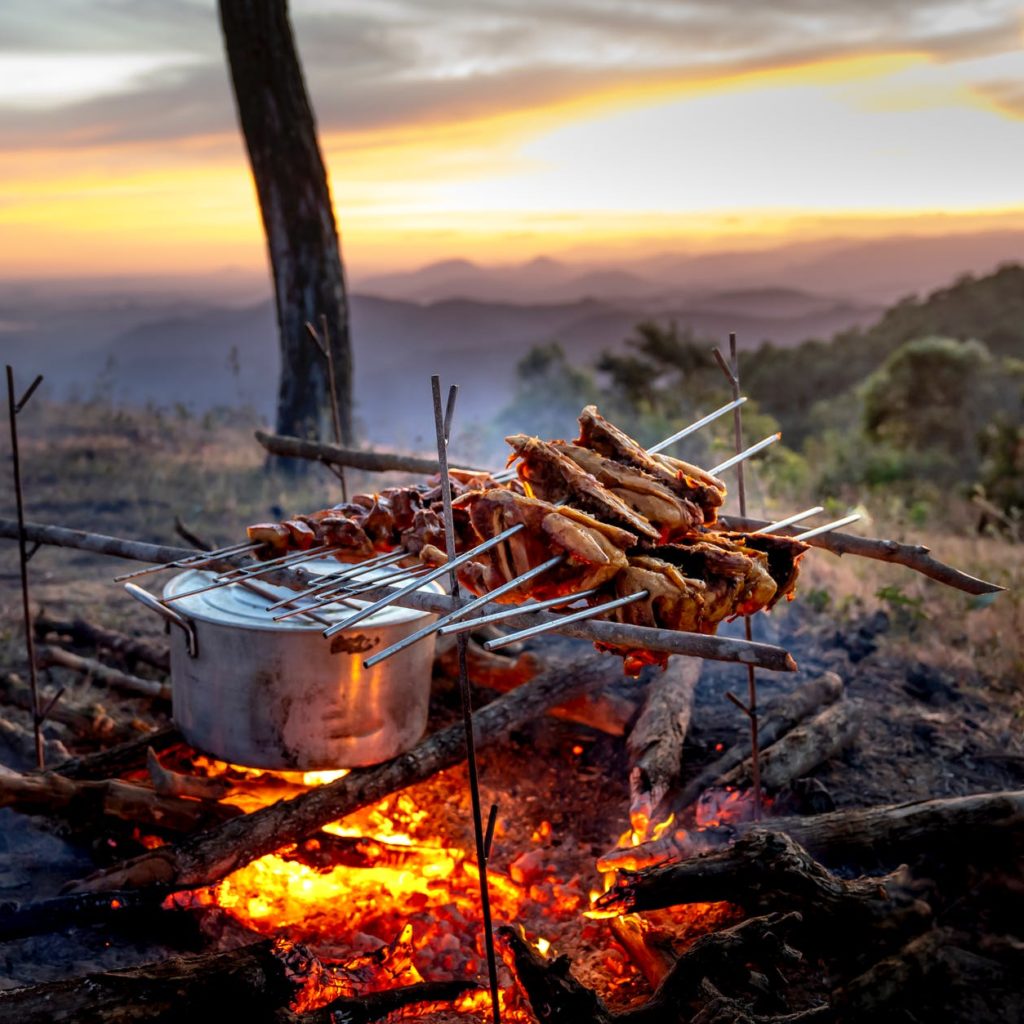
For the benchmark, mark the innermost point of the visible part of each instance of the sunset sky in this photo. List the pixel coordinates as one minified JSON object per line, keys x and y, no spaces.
{"x":500,"y":130}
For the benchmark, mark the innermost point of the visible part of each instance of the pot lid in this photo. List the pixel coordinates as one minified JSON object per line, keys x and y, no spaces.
{"x":239,"y":606}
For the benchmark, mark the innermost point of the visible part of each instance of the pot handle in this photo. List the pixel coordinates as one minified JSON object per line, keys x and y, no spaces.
{"x":167,"y":614}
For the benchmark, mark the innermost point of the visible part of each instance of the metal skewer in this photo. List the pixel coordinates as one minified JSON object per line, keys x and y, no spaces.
{"x":281,"y":562}
{"x":744,"y":455}
{"x":478,"y":602}
{"x":196,"y":561}
{"x":465,"y":625}
{"x":332,"y":579}
{"x":508,"y":474}
{"x":828,"y":527}
{"x":264,"y":593}
{"x":789,"y":520}
{"x":227,"y":581}
{"x":546,"y":627}
{"x":342,"y":593}
{"x":693,"y":427}
{"x":453,"y":563}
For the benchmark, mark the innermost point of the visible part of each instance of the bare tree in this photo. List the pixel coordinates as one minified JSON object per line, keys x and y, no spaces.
{"x":298,"y":218}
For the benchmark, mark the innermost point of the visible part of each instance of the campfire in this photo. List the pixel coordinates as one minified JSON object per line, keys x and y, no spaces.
{"x":730,"y":894}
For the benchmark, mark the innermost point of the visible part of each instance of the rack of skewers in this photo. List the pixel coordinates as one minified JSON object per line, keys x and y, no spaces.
{"x":598,"y":537}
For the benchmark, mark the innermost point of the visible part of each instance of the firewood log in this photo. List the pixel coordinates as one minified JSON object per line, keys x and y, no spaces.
{"x":766,"y":871}
{"x":655,"y":744}
{"x":168,"y":783}
{"x":555,"y":995}
{"x":803,"y":748}
{"x":205,"y":858}
{"x":48,"y":656}
{"x":777,"y":718}
{"x":21,"y":742}
{"x":249,"y":984}
{"x":85,"y":801}
{"x":87,"y":722}
{"x":652,"y":960}
{"x":88,"y":634}
{"x":126,"y":757}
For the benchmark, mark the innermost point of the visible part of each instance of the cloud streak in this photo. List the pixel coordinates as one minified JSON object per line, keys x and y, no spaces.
{"x":401,"y":63}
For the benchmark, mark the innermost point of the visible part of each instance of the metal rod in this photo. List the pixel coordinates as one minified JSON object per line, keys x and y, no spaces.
{"x":466,"y":625}
{"x":828,"y":527}
{"x":449,"y":412}
{"x":323,"y":342}
{"x":197,"y":561}
{"x":292,"y":558}
{"x":429,"y":578}
{"x":742,"y":457}
{"x":226,"y":581}
{"x":546,"y":627}
{"x":477,"y":602}
{"x":789,"y":520}
{"x":332,"y":579}
{"x":467,"y":701}
{"x":731,"y":369}
{"x":26,"y":608}
{"x":694,"y":427}
{"x":341,"y":593}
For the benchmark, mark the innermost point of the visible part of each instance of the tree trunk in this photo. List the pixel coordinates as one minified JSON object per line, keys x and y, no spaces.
{"x":298,"y":218}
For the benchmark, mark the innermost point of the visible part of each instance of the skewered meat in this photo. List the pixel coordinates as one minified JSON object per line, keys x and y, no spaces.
{"x":553,"y":476}
{"x":783,"y":553}
{"x":684,"y":479}
{"x":594,"y":551}
{"x":542,"y":469}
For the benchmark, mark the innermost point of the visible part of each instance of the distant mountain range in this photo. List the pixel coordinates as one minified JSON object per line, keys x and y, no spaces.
{"x":470,"y":323}
{"x":875,"y":272}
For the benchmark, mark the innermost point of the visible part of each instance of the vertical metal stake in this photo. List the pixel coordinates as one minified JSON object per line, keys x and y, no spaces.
{"x":467,"y":701}
{"x":30,"y":644}
{"x":755,"y":752}
{"x":323,"y":342}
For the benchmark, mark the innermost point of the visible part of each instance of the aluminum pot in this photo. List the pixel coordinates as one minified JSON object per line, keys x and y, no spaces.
{"x":278,"y":695}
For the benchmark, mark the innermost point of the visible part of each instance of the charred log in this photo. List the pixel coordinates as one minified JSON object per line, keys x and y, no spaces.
{"x":767,"y":871}
{"x":779,"y":716}
{"x":87,"y":634}
{"x":126,"y":757}
{"x":82,"y":802}
{"x":655,"y":745}
{"x":803,"y":748}
{"x":48,"y":656}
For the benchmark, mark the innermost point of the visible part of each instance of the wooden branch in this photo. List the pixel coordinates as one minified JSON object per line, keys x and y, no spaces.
{"x":370,"y":462}
{"x":764,"y":871}
{"x":210,"y":856}
{"x":247,"y":984}
{"x":48,"y":656}
{"x":168,"y":783}
{"x":179,"y":989}
{"x":779,"y":716}
{"x":87,"y":634}
{"x":655,"y":744}
{"x":652,"y":960}
{"x":91,"y":722}
{"x":555,"y":995}
{"x":22,"y":743}
{"x":868,"y":835}
{"x":125,"y":757}
{"x":61,"y":537}
{"x":803,"y":748}
{"x":88,"y":800}
{"x":913,"y":556}
{"x":60,"y":912}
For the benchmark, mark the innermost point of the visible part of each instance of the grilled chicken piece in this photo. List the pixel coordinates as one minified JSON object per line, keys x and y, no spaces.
{"x":594,"y":551}
{"x":737,"y":581}
{"x":300,"y":535}
{"x":783,"y":553}
{"x":684,"y":479}
{"x":671,"y":515}
{"x":549,"y":473}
